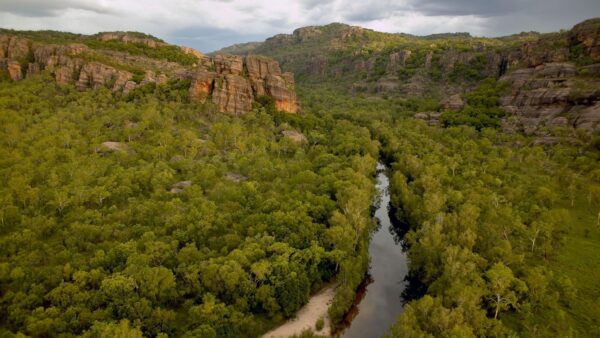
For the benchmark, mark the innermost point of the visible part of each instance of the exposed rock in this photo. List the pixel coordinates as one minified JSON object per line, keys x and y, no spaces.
{"x":589,"y":118}
{"x":235,"y":177}
{"x":114,"y":146}
{"x":231,"y":82}
{"x":14,"y":70}
{"x":593,"y":70}
{"x":387,"y":84}
{"x":546,"y":97}
{"x":294,"y":135}
{"x":260,"y":67}
{"x":398,"y":60}
{"x":33,"y":68}
{"x":282,"y":92}
{"x":454,"y":102}
{"x":432,"y":118}
{"x":96,"y":75}
{"x":428,"y":59}
{"x":18,"y":48}
{"x":450,"y":58}
{"x":194,"y":52}
{"x":587,"y":34}
{"x":228,"y":64}
{"x":555,"y":70}
{"x":416,"y":86}
{"x":130,"y":38}
{"x":202,"y":85}
{"x":179,"y":187}
{"x":307,"y":33}
{"x":545,"y":141}
{"x":233,"y":94}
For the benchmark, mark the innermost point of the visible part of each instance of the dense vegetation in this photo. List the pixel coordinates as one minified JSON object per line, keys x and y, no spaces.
{"x":198,"y":224}
{"x":91,"y":236}
{"x":482,"y":109}
{"x":501,"y":233}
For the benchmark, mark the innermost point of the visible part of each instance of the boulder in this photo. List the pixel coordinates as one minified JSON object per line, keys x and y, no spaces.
{"x":179,"y":187}
{"x":454,"y":102}
{"x":235,"y":177}
{"x":112,"y":146}
{"x":294,"y":135}
{"x":432,"y":118}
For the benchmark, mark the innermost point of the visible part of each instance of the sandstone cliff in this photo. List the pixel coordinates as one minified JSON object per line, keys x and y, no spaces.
{"x":232,"y":83}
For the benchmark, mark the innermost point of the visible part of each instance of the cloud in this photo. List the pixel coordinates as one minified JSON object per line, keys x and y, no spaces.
{"x":45,"y":8}
{"x":212,"y":24}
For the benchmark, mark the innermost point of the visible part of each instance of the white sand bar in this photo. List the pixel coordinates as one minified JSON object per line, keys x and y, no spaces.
{"x":307,"y":316}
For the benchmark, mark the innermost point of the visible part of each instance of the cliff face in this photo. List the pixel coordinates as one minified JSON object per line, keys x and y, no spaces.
{"x":230,"y":82}
{"x":554,"y":79}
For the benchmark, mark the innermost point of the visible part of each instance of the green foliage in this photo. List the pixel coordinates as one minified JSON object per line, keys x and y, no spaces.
{"x":487,"y":224}
{"x":320,"y":324}
{"x":161,"y":52}
{"x":95,"y":241}
{"x":483,"y":107}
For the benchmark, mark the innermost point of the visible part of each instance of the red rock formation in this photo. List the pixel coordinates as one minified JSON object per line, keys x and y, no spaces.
{"x":233,"y":94}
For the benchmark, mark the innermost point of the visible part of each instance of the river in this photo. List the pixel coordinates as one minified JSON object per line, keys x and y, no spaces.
{"x":379,"y":301}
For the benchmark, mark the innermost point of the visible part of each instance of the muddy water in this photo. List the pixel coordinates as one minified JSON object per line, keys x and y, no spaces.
{"x":379,"y":301}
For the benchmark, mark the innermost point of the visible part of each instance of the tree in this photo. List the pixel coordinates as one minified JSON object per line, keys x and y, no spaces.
{"x":502,"y":288}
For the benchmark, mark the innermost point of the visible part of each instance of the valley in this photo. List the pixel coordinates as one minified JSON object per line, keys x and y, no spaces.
{"x":333,"y":180}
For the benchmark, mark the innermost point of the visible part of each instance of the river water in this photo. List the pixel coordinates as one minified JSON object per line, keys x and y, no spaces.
{"x":379,"y":301}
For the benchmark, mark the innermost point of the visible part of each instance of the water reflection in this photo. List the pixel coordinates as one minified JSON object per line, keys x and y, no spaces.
{"x":378,"y":302}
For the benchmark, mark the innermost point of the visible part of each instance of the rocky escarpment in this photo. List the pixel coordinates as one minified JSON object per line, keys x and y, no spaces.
{"x":236,"y":81}
{"x":551,"y":95}
{"x":231,"y":83}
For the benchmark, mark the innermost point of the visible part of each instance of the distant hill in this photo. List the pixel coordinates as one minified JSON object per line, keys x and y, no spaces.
{"x":553,"y":78}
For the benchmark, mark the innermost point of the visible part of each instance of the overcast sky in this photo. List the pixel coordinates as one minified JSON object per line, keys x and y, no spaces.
{"x":211,"y":24}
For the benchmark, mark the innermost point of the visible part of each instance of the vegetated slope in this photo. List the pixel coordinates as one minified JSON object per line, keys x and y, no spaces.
{"x":552,"y":79}
{"x":151,"y":214}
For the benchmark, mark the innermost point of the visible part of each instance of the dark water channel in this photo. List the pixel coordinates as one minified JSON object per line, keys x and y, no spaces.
{"x":379,"y":299}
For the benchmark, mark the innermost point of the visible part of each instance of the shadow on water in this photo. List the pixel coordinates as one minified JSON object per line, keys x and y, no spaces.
{"x":414,"y":288}
{"x":379,"y":299}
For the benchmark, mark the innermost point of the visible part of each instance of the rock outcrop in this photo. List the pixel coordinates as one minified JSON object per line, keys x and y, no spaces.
{"x":237,"y":81}
{"x":587,"y":35}
{"x":231,"y":82}
{"x":454,"y":102}
{"x":548,"y":96}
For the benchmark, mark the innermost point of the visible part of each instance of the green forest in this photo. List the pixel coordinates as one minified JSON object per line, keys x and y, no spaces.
{"x":144,"y":211}
{"x":92,"y":235}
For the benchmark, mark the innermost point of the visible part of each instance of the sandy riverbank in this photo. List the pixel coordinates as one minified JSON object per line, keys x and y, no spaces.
{"x":307,"y":316}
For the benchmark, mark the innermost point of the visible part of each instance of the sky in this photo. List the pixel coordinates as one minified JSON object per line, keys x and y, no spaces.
{"x":208,"y":25}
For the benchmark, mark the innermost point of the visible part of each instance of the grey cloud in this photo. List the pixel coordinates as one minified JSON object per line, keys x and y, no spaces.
{"x":469,"y":7}
{"x":208,"y":39}
{"x":45,"y":8}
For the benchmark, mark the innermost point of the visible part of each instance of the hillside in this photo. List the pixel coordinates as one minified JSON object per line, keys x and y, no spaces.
{"x":126,"y":61}
{"x":552,"y":79}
